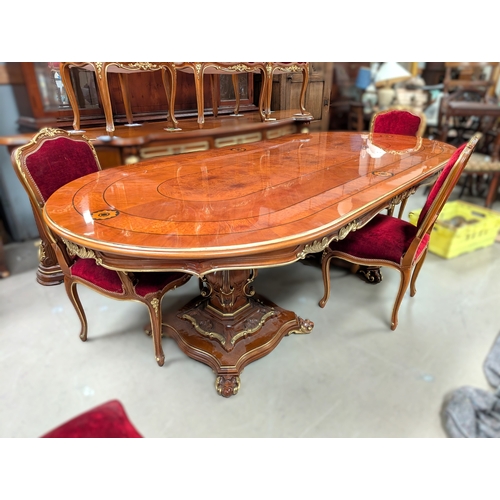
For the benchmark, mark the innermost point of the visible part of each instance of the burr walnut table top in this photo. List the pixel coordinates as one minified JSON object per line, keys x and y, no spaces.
{"x":272,"y":198}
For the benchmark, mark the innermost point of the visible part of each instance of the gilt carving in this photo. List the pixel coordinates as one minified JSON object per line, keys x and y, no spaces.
{"x":155,"y":303}
{"x":204,"y":328}
{"x":401,"y":197}
{"x":98,"y":67}
{"x":140,"y":66}
{"x":344,"y":231}
{"x":227,"y":385}
{"x":314,"y":247}
{"x":305,"y":326}
{"x":252,"y":324}
{"x":82,"y":252}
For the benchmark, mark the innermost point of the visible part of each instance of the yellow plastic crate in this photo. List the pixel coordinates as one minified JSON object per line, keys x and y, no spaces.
{"x":461,"y":228}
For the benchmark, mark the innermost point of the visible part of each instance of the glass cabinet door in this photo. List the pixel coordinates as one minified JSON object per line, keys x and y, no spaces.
{"x":53,"y":94}
{"x":245,"y":88}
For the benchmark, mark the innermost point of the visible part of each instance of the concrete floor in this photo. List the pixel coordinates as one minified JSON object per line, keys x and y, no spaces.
{"x":351,"y":377}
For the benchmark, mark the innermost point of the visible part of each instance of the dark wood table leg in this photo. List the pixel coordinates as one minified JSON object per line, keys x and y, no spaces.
{"x":229,"y":326}
{"x":49,"y":272}
{"x":370,"y":274}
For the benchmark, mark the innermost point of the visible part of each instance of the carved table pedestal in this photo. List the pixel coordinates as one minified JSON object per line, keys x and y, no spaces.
{"x":228,"y":326}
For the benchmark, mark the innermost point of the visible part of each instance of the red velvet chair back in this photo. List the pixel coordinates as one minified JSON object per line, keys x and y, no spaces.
{"x":51,"y":159}
{"x":399,"y":121}
{"x":444,"y":185}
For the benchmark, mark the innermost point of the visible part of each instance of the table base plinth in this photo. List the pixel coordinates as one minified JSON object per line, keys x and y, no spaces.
{"x":48,"y":276}
{"x":229,"y":342}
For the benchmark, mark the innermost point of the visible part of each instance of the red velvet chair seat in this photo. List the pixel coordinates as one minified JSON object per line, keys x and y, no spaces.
{"x":108,"y":420}
{"x":396,"y":122}
{"x":384,"y":237}
{"x":88,"y":270}
{"x":107,"y":279}
{"x":53,"y":158}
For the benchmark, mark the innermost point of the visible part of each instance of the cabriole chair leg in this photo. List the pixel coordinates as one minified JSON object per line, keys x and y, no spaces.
{"x":72,"y":293}
{"x":403,"y":286}
{"x":325,"y":269}
{"x":416,"y":271}
{"x":154,"y":307}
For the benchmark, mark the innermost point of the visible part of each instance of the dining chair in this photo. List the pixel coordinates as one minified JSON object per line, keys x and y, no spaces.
{"x":50,"y":160}
{"x":399,"y":120}
{"x":388,"y":241}
{"x":108,"y":420}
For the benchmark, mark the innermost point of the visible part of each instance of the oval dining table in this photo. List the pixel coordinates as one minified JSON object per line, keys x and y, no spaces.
{"x":222,"y":214}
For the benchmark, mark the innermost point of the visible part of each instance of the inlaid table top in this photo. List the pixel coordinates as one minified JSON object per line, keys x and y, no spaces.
{"x":251,"y":199}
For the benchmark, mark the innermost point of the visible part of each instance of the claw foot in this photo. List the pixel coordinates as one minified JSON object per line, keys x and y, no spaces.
{"x":149,"y":331}
{"x":305,"y":326}
{"x":371,"y":275}
{"x":227,"y":385}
